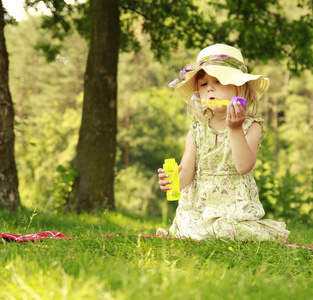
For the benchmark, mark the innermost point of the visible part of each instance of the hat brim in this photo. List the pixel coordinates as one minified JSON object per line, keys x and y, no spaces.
{"x":225,"y":75}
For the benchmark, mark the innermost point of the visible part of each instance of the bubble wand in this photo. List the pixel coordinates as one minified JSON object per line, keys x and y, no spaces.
{"x":215,"y":102}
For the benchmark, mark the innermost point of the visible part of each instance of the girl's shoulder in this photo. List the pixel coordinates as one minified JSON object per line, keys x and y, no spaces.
{"x":249,"y":121}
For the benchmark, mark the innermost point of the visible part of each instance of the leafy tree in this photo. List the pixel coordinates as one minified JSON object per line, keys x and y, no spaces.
{"x":96,"y":149}
{"x":97,"y":139}
{"x":9,"y":195}
{"x":284,"y":169}
{"x":258,"y":27}
{"x":48,"y":122}
{"x":296,"y":134}
{"x":158,"y":126}
{"x":48,"y":105}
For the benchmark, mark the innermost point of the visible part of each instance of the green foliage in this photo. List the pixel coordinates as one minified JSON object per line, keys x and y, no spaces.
{"x":280,"y":190}
{"x":182,"y":24}
{"x":264,"y":30}
{"x":268,"y":30}
{"x":284,"y":169}
{"x":60,"y":16}
{"x":48,"y":102}
{"x":50,"y":50}
{"x":8,"y":19}
{"x":48,"y":144}
{"x":131,"y":267}
{"x":135,"y":192}
{"x":158,"y":116}
{"x":264,"y":174}
{"x":63,"y":186}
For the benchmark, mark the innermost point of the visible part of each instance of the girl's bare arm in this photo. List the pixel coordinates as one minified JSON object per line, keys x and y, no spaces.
{"x":188,"y":162}
{"x":244,"y":147}
{"x":186,"y":168}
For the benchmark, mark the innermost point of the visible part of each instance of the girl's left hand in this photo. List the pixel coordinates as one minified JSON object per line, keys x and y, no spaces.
{"x":236,"y":115}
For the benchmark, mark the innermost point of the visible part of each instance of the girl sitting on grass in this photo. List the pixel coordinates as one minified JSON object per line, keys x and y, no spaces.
{"x":219,"y":194}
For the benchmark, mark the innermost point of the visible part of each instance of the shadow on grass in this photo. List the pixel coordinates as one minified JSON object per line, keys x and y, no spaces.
{"x":26,"y":222}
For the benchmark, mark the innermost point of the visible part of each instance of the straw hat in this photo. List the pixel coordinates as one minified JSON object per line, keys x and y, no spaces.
{"x":224,"y":63}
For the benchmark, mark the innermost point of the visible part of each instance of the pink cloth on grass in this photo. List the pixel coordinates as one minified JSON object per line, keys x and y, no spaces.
{"x":36,"y":236}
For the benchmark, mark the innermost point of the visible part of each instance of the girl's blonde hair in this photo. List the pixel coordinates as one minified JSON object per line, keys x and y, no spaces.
{"x":245,"y":91}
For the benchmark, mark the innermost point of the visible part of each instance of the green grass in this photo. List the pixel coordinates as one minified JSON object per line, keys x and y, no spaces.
{"x":129,"y":267}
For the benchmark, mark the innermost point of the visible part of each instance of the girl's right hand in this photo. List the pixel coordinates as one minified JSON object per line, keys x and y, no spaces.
{"x":162,"y":179}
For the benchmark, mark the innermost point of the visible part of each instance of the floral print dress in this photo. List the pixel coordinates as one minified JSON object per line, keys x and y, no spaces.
{"x":220,"y":202}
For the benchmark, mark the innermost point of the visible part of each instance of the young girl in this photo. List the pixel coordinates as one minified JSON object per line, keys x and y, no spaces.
{"x":219,"y":195}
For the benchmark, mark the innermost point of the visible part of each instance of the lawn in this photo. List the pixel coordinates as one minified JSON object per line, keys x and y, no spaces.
{"x":132,"y":267}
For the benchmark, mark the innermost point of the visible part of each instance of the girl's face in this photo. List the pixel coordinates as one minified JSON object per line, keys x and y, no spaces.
{"x":210,"y":88}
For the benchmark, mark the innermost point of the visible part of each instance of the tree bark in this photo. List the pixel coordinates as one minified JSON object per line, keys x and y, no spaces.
{"x":93,"y":189}
{"x":9,"y":195}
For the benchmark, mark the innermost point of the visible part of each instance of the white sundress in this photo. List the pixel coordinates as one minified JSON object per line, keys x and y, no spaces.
{"x":220,"y":202}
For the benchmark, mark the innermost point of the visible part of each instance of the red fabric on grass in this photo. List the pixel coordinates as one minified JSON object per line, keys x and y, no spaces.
{"x":35,"y":237}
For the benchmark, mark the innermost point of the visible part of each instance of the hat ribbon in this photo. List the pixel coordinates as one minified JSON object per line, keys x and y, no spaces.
{"x":219,"y":60}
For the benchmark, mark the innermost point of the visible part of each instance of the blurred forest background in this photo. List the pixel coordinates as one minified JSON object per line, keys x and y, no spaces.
{"x":152,"y":125}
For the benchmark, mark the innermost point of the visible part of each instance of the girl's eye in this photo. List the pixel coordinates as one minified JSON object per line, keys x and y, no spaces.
{"x":204,"y":84}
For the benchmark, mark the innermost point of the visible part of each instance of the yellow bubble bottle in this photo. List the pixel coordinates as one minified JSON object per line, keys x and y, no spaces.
{"x":170,"y":167}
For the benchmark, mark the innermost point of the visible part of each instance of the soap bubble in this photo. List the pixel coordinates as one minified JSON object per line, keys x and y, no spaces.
{"x":61,"y":59}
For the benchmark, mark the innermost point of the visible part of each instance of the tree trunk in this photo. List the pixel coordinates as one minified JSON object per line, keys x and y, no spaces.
{"x":9,"y":196}
{"x":94,"y":187}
